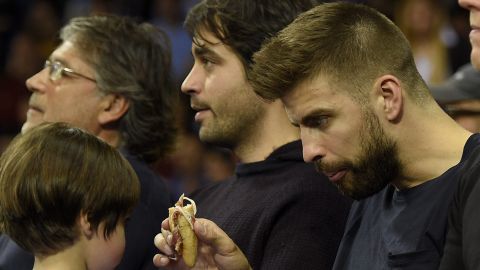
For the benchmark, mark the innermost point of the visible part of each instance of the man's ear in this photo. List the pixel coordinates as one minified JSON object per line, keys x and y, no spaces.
{"x":85,"y":226}
{"x":113,"y":107}
{"x":390,"y":96}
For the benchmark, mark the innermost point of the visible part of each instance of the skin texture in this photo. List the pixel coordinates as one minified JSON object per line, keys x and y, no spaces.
{"x":227,"y":109}
{"x":73,"y":100}
{"x":112,"y":248}
{"x":474,"y":7}
{"x":215,"y":249}
{"x":343,"y":138}
{"x":84,"y":253}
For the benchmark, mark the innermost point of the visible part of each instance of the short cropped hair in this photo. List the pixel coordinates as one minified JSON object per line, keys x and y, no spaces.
{"x":243,"y":25}
{"x":52,"y":174}
{"x":132,"y":60}
{"x":351,"y":44}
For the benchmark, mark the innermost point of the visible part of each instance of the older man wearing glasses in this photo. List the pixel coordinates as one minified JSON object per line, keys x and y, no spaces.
{"x":111,"y":77}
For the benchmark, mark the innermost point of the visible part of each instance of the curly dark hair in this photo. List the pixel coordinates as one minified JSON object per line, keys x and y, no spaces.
{"x":243,"y":25}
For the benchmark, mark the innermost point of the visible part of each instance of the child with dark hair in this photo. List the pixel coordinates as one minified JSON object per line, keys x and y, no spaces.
{"x":65,"y":197}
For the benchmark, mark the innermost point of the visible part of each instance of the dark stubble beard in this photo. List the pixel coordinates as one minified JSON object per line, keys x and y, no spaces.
{"x":376,"y":166}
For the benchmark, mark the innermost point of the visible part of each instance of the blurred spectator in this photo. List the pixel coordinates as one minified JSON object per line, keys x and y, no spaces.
{"x":459,"y":46}
{"x":194,"y":164}
{"x":460,"y":97}
{"x":30,"y":27}
{"x":10,"y":18}
{"x":42,"y":23}
{"x":422,"y":21}
{"x":22,"y":61}
{"x":76,"y":8}
{"x":218,"y":163}
{"x":385,"y":7}
{"x":169,"y":15}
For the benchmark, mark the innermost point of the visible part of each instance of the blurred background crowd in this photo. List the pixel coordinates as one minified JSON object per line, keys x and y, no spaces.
{"x":437,"y":30}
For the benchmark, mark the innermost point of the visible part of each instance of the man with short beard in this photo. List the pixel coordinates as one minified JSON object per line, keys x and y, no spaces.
{"x":272,"y":185}
{"x":347,"y":78}
{"x":369,"y":123}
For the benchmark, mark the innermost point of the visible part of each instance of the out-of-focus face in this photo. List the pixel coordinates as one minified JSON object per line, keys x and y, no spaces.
{"x":72,"y":99}
{"x":106,"y":254}
{"x":421,"y":17}
{"x":344,"y":139}
{"x":466,"y":113}
{"x":474,"y":7}
{"x":227,"y":108}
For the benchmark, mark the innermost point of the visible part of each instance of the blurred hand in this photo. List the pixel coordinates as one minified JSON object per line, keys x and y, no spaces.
{"x":215,"y":249}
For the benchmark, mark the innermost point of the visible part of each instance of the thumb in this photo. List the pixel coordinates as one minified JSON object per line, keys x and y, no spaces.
{"x":227,"y":254}
{"x":209,"y":233}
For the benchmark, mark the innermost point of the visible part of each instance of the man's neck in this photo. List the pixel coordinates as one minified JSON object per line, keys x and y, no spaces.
{"x":110,"y":136}
{"x":436,"y":145}
{"x":273,"y":131}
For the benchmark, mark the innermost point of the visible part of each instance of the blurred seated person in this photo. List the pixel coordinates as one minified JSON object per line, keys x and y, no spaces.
{"x":460,"y":97}
{"x":66,"y":196}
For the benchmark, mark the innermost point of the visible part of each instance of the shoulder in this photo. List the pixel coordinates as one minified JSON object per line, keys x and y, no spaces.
{"x":302,"y":189}
{"x":302,"y":179}
{"x":12,"y":256}
{"x":469,"y":174}
{"x":154,"y":193}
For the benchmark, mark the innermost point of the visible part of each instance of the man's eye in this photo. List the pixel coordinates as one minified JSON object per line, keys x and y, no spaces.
{"x":317,"y":122}
{"x":207,"y":62}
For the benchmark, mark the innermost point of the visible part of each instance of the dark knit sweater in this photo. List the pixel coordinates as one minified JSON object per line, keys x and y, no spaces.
{"x":280,"y":212}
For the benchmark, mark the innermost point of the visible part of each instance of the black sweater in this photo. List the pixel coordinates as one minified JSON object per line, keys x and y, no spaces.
{"x":463,"y":238}
{"x":280,"y":212}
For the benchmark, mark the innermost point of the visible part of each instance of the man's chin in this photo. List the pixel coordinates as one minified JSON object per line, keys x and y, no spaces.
{"x":358,"y":193}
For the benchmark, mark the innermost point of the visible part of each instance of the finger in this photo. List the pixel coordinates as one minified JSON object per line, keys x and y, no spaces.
{"x":165,"y":224}
{"x":210,"y":233}
{"x":160,"y":260}
{"x":161,"y":243}
{"x":226,"y":254}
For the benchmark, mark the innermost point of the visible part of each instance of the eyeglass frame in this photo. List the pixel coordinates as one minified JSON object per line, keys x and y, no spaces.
{"x":57,"y":69}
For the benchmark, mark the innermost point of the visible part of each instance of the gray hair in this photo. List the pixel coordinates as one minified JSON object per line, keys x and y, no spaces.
{"x":131,"y":60}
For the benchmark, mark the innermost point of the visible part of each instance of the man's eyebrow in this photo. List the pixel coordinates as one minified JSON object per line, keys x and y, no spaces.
{"x":203,"y":50}
{"x":61,"y":60}
{"x":313,"y":115}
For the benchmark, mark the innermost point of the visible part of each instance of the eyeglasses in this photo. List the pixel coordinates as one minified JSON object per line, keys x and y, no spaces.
{"x":56,"y":70}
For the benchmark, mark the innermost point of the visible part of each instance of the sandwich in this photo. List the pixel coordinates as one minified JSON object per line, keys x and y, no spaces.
{"x":181,"y":219}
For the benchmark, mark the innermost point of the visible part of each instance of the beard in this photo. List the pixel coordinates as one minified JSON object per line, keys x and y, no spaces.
{"x":376,"y":166}
{"x":235,"y":121}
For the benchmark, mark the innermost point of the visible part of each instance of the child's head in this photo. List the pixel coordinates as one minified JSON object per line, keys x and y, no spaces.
{"x":55,"y":180}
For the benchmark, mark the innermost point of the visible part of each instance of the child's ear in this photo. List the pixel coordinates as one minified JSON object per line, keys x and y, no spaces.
{"x":85,"y":226}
